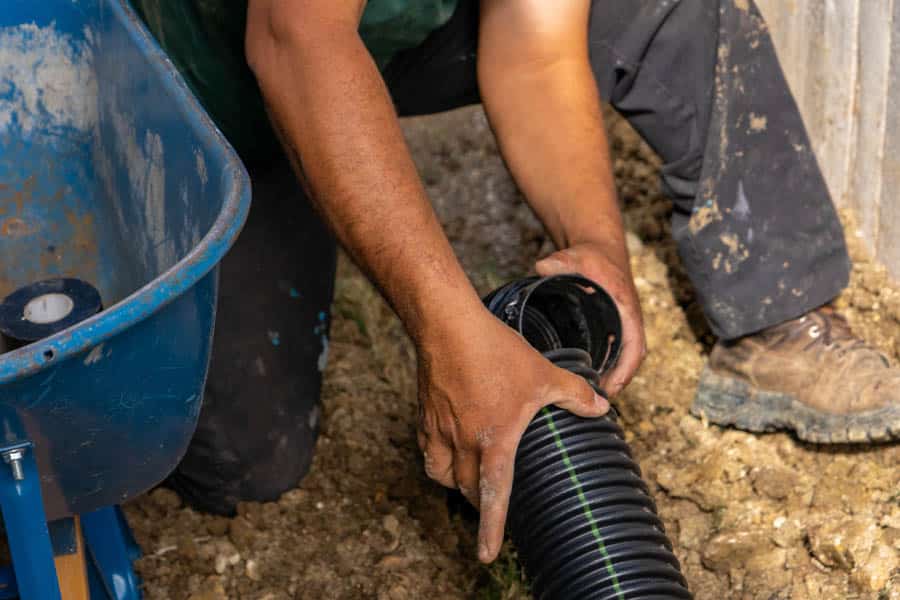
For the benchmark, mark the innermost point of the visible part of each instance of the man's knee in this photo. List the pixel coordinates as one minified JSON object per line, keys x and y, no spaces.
{"x":655,"y":62}
{"x":227,"y":464}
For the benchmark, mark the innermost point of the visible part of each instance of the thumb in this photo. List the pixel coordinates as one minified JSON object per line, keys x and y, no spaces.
{"x":574,"y":394}
{"x":555,"y":264}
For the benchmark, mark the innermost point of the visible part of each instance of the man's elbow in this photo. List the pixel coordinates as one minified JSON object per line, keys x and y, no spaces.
{"x":297,"y":28}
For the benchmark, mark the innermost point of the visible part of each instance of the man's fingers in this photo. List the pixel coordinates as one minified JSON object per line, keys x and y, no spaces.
{"x":552,"y":265}
{"x":575,"y":395}
{"x":465,"y":470}
{"x":495,"y":488}
{"x":633,"y":352}
{"x":438,"y":461}
{"x":634,"y":346}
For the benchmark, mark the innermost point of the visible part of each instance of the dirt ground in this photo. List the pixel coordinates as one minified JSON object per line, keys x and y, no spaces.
{"x":752,"y":517}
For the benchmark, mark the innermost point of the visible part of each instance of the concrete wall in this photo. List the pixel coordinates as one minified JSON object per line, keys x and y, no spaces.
{"x":842,"y":58}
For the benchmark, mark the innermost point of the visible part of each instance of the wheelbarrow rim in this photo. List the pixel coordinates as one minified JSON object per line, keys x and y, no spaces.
{"x":156,"y":294}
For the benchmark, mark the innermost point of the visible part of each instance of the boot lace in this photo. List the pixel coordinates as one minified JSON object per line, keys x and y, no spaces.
{"x":830,"y":332}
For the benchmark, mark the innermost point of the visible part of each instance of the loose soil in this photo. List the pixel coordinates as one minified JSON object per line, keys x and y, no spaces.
{"x":751,"y":516}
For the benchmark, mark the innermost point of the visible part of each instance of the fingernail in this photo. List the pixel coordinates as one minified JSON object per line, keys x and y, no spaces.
{"x":601,"y":402}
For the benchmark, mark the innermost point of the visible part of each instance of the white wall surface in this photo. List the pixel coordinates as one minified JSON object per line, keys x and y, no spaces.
{"x":842,"y":59}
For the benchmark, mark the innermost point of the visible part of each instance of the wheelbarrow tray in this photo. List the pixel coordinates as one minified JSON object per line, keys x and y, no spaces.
{"x":111,"y":172}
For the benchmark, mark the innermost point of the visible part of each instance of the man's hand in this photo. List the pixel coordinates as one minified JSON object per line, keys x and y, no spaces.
{"x":611,"y":270}
{"x":480,"y":384}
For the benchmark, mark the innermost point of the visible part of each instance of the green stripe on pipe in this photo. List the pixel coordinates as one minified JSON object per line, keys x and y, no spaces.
{"x":585,"y":507}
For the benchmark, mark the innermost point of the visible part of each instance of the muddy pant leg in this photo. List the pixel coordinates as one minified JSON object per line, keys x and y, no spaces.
{"x":754,"y":222}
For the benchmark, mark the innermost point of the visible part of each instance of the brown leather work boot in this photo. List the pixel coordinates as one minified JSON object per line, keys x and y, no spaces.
{"x":810,"y":375}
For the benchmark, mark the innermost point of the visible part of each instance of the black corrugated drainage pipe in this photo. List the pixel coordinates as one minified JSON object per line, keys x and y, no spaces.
{"x":580,"y":515}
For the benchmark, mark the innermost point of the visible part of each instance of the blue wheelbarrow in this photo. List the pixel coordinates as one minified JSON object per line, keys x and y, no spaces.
{"x":111,"y":173}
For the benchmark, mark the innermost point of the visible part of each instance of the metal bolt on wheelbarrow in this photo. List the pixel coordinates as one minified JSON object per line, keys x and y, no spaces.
{"x":110,"y":174}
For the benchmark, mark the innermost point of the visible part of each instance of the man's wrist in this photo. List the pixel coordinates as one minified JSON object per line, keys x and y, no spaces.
{"x":590,"y":217}
{"x":609,"y":237}
{"x":432,"y":310}
{"x":444,"y":322}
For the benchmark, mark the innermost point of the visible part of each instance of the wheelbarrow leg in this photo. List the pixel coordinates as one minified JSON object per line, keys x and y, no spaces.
{"x":71,"y":569}
{"x":111,"y":551}
{"x":26,"y":525}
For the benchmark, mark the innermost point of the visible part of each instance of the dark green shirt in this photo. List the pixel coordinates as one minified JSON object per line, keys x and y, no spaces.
{"x":205,"y":40}
{"x":389,"y":26}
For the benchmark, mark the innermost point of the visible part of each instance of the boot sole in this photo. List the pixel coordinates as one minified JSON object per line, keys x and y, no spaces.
{"x":730,"y":401}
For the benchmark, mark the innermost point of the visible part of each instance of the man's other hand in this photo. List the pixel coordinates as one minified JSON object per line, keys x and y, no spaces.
{"x":480,"y":385}
{"x":611,"y":271}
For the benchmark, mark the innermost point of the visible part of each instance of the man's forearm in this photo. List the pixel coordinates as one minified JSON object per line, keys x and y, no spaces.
{"x":542,"y":101}
{"x":336,"y":119}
